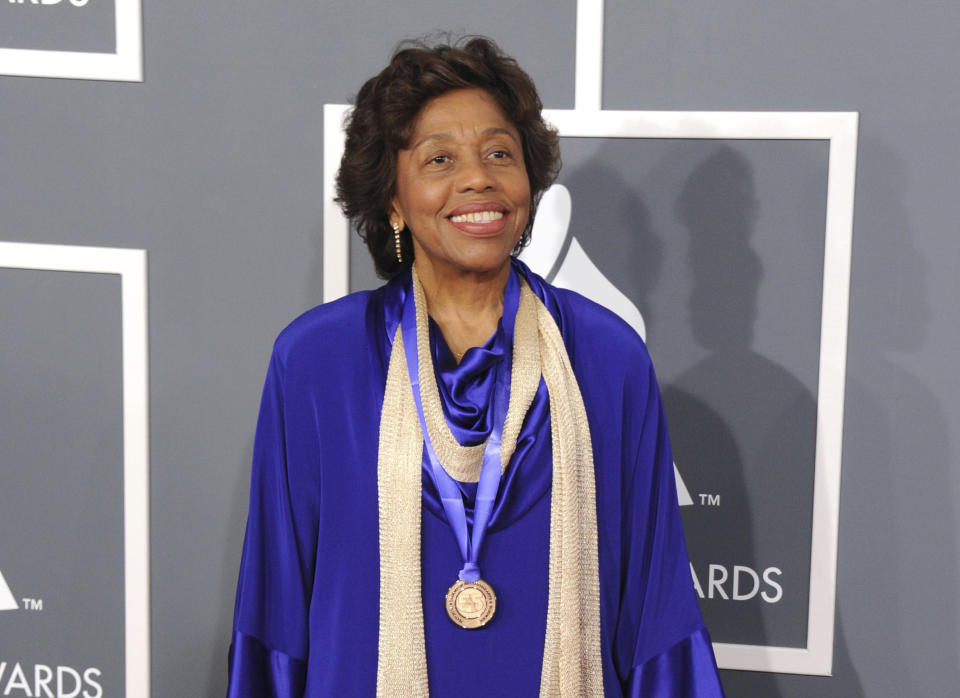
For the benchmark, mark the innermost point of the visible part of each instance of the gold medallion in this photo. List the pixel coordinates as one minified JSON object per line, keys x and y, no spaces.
{"x":471,"y":604}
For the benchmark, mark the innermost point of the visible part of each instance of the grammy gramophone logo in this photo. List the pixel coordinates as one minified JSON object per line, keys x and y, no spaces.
{"x":7,"y":600}
{"x":556,"y":255}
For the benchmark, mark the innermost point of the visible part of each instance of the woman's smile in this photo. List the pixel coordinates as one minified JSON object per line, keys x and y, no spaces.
{"x":479,"y":219}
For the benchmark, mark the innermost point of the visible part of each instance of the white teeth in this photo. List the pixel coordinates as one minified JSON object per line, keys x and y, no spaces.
{"x":478,"y":217}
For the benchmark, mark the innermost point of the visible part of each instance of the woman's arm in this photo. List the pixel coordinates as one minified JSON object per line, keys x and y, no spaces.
{"x":672,"y":653}
{"x":270,"y":639}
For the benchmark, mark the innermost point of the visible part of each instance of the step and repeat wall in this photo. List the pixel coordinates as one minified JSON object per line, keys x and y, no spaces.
{"x":762,"y":193}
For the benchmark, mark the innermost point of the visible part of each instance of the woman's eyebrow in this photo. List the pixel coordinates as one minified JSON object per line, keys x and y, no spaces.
{"x":500,"y":131}
{"x":492,"y":131}
{"x":431,"y":137}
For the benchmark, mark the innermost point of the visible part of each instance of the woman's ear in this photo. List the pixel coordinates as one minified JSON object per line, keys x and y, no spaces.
{"x":395,"y":217}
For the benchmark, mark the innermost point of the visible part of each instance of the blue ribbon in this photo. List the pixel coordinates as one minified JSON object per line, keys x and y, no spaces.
{"x":469,"y":542}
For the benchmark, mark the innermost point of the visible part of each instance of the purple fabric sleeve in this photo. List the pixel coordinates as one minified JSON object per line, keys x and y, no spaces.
{"x":271,"y":614}
{"x":686,"y":670}
{"x":256,"y":670}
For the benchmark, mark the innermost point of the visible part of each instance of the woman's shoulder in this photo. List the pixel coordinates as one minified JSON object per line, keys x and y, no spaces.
{"x":588,"y":325}
{"x":585,"y":324}
{"x":335,"y":327}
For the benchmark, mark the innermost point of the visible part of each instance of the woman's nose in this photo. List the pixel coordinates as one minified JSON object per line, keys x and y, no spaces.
{"x":474,"y":175}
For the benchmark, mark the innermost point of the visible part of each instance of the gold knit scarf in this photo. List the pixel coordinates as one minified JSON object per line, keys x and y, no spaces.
{"x":571,"y":653}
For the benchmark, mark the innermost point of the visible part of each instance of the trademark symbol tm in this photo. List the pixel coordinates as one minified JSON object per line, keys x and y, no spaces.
{"x":709,"y":500}
{"x":32,"y":604}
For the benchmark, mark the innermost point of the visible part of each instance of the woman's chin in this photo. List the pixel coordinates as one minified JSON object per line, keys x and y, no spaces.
{"x":467,"y":262}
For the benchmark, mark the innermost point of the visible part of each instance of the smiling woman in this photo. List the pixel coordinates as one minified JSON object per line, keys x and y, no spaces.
{"x":389,"y":108}
{"x":465,"y":397}
{"x":462,"y":185}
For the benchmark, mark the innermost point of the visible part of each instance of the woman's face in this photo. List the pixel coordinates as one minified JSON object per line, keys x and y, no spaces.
{"x":462,"y":186}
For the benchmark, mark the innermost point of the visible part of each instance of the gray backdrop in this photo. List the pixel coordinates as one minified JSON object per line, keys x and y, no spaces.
{"x":214,"y":166}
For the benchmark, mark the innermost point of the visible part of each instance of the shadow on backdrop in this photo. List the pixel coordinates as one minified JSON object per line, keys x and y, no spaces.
{"x":746,"y":422}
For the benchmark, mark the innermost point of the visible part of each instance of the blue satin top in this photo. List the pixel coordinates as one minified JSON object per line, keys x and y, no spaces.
{"x":466,"y":392}
{"x":306,"y":614}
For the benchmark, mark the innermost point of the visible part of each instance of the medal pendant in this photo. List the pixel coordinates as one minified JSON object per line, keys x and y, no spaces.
{"x":471,"y":604}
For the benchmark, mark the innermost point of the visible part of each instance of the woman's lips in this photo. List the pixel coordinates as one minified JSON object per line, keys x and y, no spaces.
{"x":478,"y":219}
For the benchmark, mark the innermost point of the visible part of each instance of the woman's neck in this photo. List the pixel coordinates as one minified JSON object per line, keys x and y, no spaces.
{"x":466,"y":307}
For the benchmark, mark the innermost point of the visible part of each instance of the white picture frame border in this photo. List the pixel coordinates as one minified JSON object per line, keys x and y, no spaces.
{"x":126,"y":64}
{"x":131,"y":266}
{"x":839,"y":130}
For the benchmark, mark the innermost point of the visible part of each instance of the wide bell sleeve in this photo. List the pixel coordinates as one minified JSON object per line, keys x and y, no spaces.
{"x":270,"y":632}
{"x":659,"y":616}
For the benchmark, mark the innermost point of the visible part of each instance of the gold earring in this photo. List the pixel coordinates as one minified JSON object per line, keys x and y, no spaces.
{"x":396,"y":240}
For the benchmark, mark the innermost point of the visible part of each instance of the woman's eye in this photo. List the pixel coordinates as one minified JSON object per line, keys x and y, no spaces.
{"x":499,"y":154}
{"x":439,"y":159}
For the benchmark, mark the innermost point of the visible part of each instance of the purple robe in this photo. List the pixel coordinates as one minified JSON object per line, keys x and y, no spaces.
{"x":306,"y":615}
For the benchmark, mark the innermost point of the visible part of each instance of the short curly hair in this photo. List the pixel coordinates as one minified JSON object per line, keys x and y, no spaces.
{"x":382,"y":121}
